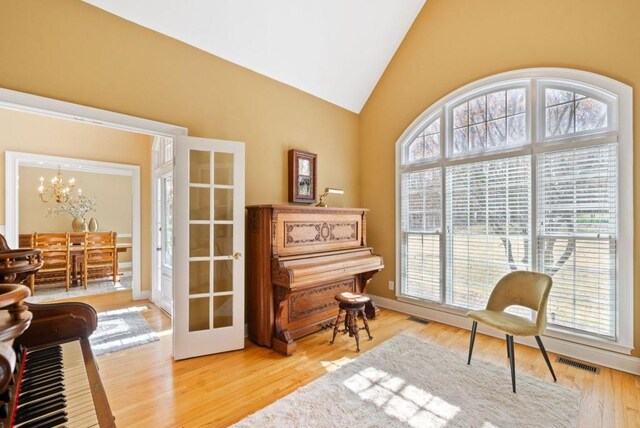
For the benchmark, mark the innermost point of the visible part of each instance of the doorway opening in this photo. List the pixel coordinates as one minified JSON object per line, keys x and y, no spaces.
{"x":195,"y":243}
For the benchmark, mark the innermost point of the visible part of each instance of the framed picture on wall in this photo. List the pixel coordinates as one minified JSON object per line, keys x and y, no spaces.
{"x":302,"y":176}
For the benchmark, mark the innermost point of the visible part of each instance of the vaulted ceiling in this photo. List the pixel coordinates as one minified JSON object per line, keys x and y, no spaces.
{"x":333,"y":49}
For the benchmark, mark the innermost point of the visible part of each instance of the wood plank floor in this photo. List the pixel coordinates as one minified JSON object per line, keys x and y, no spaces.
{"x":146,"y":388}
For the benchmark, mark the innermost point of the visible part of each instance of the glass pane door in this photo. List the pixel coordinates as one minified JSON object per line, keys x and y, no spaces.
{"x":211,"y":210}
{"x":210,"y":240}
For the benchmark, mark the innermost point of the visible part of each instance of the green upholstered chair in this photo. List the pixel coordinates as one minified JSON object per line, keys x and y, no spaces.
{"x":528,"y":289}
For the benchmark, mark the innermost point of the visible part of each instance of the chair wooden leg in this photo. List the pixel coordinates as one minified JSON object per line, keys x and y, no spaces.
{"x":353,"y":327}
{"x":474,"y":327}
{"x":115,"y":267}
{"x":32,"y":284}
{"x":67,"y":279}
{"x":512,"y":361}
{"x":365,"y":321}
{"x":546,"y":357}
{"x":508,"y":352}
{"x":336,"y":327}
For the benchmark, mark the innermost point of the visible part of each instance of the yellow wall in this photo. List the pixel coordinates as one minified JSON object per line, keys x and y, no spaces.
{"x":72,"y":51}
{"x":455,"y":42}
{"x":112,"y":194}
{"x":32,"y":133}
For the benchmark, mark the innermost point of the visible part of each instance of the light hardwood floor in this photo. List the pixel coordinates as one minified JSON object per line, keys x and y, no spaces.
{"x":146,"y":388}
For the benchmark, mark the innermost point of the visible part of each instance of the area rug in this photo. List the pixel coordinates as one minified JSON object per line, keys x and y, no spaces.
{"x":121,"y":329}
{"x":56,"y":293}
{"x":406,"y":382}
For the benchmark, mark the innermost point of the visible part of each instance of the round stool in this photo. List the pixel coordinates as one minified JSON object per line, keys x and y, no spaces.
{"x":352,"y":305}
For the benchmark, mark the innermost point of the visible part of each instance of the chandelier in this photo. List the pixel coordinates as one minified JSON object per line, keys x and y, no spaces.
{"x":58,"y":190}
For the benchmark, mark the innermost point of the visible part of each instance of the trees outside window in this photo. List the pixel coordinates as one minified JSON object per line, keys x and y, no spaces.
{"x":521,"y":173}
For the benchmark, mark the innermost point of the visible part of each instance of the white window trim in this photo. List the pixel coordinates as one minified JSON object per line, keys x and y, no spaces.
{"x":624,"y":118}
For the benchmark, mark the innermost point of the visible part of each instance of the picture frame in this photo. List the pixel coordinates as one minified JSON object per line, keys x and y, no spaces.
{"x":302,"y":176}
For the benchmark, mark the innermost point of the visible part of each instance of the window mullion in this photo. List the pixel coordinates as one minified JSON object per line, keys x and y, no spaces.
{"x":535,"y":130}
{"x":444,"y":144}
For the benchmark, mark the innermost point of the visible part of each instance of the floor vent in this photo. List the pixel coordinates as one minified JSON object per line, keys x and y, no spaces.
{"x":420,"y":320}
{"x":583,"y":366}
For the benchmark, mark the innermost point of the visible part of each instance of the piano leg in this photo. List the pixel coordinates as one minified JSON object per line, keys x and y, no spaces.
{"x":370,"y":308}
{"x":282,"y":341}
{"x":284,"y":346}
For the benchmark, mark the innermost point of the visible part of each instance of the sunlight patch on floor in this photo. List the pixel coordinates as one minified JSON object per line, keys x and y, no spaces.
{"x":117,"y":344}
{"x":330,"y":366}
{"x":403,"y":401}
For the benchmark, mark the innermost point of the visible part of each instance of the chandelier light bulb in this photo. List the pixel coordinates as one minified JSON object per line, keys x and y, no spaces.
{"x":57,"y":190}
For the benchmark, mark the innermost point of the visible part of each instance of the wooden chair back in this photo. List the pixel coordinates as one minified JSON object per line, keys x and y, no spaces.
{"x":25,"y":240}
{"x":56,"y":255}
{"x":100,"y":253}
{"x":100,"y":244}
{"x":55,"y":250}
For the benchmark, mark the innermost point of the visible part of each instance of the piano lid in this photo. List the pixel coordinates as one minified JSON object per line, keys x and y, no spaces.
{"x":300,"y":271}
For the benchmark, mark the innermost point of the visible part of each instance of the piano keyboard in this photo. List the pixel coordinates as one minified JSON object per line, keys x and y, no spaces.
{"x":54,"y":389}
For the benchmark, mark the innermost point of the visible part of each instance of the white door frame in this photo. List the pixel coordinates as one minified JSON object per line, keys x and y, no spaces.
{"x":158,"y":171}
{"x":64,"y":110}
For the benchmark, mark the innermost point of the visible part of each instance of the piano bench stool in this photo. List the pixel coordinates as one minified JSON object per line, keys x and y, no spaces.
{"x":351,"y":305}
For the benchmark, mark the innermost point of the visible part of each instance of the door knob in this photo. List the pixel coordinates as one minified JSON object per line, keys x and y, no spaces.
{"x":237,"y":256}
{"x":158,"y":248}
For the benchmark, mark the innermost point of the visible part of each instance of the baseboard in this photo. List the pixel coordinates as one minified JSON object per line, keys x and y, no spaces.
{"x":142,"y":295}
{"x":602,"y":357}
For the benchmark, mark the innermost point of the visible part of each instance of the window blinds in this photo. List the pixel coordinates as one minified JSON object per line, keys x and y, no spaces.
{"x":577,"y":211}
{"x":421,"y":230}
{"x":488,"y":227}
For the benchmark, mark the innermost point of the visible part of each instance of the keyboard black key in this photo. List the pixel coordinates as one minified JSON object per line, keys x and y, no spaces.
{"x":37,"y":395}
{"x":47,"y":422}
{"x":45,"y":401}
{"x":56,"y":348}
{"x":43,"y":380}
{"x":37,"y":413}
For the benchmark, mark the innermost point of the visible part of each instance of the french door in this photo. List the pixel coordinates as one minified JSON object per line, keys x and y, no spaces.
{"x":208,"y":264}
{"x":166,"y":242}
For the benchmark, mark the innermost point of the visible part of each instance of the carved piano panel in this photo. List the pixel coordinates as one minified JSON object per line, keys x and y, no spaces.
{"x":303,"y":233}
{"x":298,"y":259}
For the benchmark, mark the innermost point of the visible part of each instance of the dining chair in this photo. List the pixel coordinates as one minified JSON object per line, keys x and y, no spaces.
{"x":521,"y":288}
{"x":56,"y":257}
{"x":100,"y":255}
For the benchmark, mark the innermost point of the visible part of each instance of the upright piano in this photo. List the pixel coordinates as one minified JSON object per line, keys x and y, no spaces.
{"x":48,"y":375}
{"x":298,"y":259}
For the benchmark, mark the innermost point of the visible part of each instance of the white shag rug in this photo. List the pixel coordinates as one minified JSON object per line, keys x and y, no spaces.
{"x":406,"y":382}
{"x":121,"y":329}
{"x":56,"y":293}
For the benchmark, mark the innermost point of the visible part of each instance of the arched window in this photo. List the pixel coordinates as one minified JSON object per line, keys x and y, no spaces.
{"x":527,"y":170}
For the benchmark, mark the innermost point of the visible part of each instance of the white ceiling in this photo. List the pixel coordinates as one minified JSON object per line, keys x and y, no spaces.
{"x":334,"y":49}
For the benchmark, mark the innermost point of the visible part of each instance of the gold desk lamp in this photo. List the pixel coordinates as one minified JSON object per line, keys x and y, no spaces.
{"x":328,"y":191}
